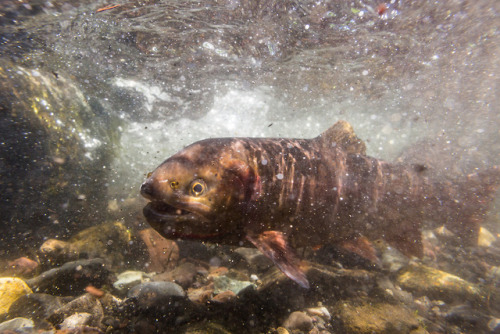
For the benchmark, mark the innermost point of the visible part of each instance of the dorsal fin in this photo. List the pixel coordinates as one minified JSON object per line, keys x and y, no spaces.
{"x":342,"y":135}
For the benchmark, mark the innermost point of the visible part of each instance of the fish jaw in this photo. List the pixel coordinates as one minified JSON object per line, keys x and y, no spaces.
{"x":173,"y":211}
{"x":176,"y":223}
{"x":176,"y":213}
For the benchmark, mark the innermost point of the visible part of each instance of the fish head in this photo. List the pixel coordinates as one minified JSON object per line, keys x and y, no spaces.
{"x":198,"y":192}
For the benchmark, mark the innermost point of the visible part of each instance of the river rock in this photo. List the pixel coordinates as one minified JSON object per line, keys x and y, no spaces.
{"x":469,"y":319}
{"x":72,"y":278}
{"x":129,"y":279}
{"x":17,"y":324}
{"x":56,"y":143}
{"x":298,"y":321}
{"x":155,"y":307}
{"x":22,"y":266}
{"x":11,"y":289}
{"x":494,"y":325}
{"x":366,"y":316}
{"x":202,"y":294}
{"x":319,"y":311}
{"x":486,"y":238}
{"x":254,"y":259}
{"x":76,"y":320}
{"x":224,"y":297}
{"x":85,"y":304}
{"x":390,"y":258}
{"x":156,"y":295}
{"x":206,"y":327}
{"x":282,"y":330}
{"x":224,"y":283}
{"x":184,"y":274}
{"x":216,"y":272}
{"x":436,"y":284}
{"x":37,"y":307}
{"x":109,"y":241}
{"x":235,"y":274}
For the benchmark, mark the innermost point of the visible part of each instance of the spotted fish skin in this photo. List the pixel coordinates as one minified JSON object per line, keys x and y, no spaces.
{"x":281,"y":194}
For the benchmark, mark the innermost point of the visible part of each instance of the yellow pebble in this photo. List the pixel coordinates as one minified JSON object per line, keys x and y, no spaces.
{"x":11,"y":288}
{"x":282,"y":330}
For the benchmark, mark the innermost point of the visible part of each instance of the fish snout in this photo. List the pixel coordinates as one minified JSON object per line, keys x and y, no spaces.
{"x":148,"y":189}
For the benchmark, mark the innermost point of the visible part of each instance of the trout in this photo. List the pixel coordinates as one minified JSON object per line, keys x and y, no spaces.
{"x":281,"y":194}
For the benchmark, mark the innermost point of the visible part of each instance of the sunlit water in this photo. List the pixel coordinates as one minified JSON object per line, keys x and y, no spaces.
{"x":171,"y":73}
{"x":416,"y":77}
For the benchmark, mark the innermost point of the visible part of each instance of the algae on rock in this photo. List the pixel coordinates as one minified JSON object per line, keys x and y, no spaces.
{"x":367,"y":316}
{"x":107,"y":241}
{"x":437,"y":284}
{"x":57,"y":145}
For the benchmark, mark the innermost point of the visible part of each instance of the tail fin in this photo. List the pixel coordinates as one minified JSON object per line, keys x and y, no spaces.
{"x":474,"y":198}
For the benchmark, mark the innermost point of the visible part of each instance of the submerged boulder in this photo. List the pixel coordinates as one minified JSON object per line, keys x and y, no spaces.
{"x":437,"y":284}
{"x":72,"y":278}
{"x":109,"y":241}
{"x":370,"y":316}
{"x":298,"y":321}
{"x":56,"y":145}
{"x":37,"y":307}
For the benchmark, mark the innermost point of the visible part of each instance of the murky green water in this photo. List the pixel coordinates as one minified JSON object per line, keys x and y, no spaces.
{"x":94,"y":95}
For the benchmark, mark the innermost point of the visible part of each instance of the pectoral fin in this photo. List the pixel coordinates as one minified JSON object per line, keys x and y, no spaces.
{"x":273,"y":245}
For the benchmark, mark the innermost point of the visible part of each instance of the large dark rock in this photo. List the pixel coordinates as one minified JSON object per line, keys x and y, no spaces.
{"x":37,"y":307}
{"x":55,"y":148}
{"x":162,"y":296}
{"x":72,"y":278}
{"x":155,"y":307}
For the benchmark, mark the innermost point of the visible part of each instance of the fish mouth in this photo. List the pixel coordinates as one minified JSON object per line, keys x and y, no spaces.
{"x":165,"y":211}
{"x":174,"y":223}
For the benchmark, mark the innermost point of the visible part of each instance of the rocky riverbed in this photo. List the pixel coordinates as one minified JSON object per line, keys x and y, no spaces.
{"x":114,"y":279}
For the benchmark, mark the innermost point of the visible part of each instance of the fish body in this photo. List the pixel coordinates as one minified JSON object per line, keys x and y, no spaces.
{"x":281,"y":194}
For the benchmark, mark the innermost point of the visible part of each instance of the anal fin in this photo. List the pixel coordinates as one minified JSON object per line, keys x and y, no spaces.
{"x":274,"y":245}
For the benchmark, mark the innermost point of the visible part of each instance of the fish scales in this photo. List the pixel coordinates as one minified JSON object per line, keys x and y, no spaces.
{"x":298,"y":185}
{"x":326,"y":198}
{"x":287,"y":163}
{"x":279,"y":194}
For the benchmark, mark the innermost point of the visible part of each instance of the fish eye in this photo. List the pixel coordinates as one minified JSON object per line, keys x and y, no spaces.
{"x":198,"y":187}
{"x":174,"y":185}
